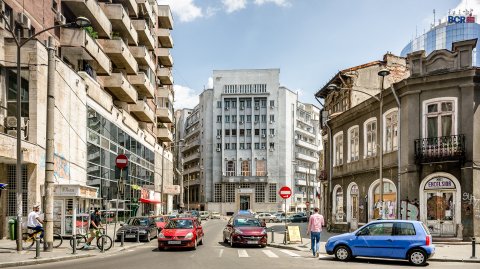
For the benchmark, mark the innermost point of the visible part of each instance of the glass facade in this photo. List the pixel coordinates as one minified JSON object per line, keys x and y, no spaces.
{"x":442,"y":37}
{"x":105,"y":141}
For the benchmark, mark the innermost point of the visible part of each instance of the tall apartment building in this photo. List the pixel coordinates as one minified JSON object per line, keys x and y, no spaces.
{"x":255,"y":139}
{"x":114,"y":95}
{"x":181,"y":116}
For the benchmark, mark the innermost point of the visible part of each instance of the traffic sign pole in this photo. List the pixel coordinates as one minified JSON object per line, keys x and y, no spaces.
{"x":121,"y":162}
{"x":285,"y":192}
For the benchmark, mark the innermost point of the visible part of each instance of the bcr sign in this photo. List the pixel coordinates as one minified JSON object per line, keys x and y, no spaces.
{"x":461,"y":19}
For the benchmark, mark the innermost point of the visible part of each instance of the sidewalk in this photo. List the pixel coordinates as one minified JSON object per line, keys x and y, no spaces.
{"x":444,"y":252}
{"x":9,"y":257}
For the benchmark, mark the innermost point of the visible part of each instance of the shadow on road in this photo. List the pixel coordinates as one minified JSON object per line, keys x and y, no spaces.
{"x":372,"y":261}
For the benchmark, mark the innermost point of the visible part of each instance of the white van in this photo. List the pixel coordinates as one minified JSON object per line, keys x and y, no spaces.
{"x":204,"y":215}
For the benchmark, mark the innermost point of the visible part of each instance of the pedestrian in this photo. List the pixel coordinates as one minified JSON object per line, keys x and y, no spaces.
{"x":95,"y":223}
{"x":314,"y":229}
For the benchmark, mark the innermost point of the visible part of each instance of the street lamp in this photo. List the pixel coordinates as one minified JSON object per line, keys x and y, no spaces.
{"x":79,"y":22}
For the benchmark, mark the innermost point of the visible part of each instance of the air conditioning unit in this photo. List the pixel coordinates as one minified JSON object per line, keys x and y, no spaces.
{"x":272,"y":107}
{"x":241,"y":122}
{"x":263,"y":147}
{"x":12,"y":122}
{"x":272,"y":149}
{"x":226,"y":109}
{"x":14,"y":134}
{"x":218,"y":149}
{"x":272,"y":135}
{"x":219,"y":136}
{"x":257,"y":108}
{"x":263,"y":135}
{"x":24,"y":20}
{"x":271,"y":121}
{"x":242,"y":107}
{"x":60,"y":18}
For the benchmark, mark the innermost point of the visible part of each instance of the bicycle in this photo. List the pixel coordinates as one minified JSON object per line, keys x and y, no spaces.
{"x":30,"y":238}
{"x":81,"y":240}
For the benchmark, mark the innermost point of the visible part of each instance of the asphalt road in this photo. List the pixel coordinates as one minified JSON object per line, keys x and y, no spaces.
{"x":215,"y":255}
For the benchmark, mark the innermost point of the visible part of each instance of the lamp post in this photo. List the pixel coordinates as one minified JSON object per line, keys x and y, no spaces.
{"x":79,"y":22}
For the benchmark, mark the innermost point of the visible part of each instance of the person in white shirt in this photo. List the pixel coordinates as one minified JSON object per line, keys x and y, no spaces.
{"x":34,"y":220}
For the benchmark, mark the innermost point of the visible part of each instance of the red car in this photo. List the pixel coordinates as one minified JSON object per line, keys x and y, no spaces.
{"x":160,"y":221}
{"x":245,"y":230}
{"x":181,"y":233}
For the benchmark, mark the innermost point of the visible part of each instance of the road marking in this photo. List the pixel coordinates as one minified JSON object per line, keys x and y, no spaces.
{"x":242,"y":253}
{"x":270,"y":254}
{"x":289,"y":253}
{"x":221,"y":253}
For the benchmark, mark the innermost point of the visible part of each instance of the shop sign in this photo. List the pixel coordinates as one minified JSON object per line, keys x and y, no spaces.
{"x":66,"y":191}
{"x":88,"y":192}
{"x":461,"y":19}
{"x":245,"y":190}
{"x":171,"y":189}
{"x":437,"y":183}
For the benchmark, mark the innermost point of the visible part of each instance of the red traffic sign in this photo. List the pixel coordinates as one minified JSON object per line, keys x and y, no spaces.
{"x":285,"y":192}
{"x":121,"y":161}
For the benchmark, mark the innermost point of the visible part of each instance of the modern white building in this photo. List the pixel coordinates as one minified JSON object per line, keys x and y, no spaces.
{"x":245,"y":140}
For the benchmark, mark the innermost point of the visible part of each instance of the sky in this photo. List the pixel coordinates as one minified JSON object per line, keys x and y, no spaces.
{"x":309,"y":40}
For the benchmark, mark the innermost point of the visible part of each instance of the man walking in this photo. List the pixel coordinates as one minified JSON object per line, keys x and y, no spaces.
{"x":314,"y":229}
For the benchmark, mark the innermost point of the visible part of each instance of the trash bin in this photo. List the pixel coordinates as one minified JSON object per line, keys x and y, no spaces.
{"x":12,"y":226}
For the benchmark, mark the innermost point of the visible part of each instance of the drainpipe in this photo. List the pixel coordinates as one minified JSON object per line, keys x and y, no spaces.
{"x":399,"y":138}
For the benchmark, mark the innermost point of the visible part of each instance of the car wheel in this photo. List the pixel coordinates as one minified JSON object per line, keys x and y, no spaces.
{"x":417,"y":257}
{"x":231,"y":242}
{"x":342,"y":253}
{"x":271,"y":221}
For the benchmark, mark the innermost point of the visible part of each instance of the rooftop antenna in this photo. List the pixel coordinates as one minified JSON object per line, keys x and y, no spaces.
{"x":433,"y":17}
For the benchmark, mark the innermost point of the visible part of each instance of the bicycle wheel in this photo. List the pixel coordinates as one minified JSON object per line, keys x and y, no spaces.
{"x":107,"y":242}
{"x":28,"y":241}
{"x":80,"y":240}
{"x":57,"y":240}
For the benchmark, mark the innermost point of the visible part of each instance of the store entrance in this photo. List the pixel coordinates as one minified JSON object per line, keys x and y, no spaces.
{"x":244,"y":202}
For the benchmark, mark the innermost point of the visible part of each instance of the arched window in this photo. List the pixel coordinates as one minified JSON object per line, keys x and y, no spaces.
{"x":230,"y":168}
{"x":338,"y":204}
{"x":390,"y":133}
{"x":389,"y":198}
{"x":245,"y":168}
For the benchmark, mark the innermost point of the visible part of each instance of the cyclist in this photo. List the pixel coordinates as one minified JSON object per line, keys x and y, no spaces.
{"x":95,"y":223}
{"x":34,"y":220}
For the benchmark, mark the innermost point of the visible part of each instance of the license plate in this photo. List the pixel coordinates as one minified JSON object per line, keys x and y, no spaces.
{"x":252,"y":242}
{"x":130,"y":236}
{"x":174,"y":242}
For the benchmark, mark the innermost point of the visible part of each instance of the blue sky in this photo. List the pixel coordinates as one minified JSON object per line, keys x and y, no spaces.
{"x":309,"y":40}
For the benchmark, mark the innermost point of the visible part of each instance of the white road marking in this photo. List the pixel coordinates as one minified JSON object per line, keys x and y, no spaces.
{"x":270,"y":254}
{"x":221,"y":253}
{"x":242,"y":253}
{"x":289,"y":253}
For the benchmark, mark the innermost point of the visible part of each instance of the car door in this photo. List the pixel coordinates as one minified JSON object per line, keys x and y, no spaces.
{"x":375,"y":240}
{"x":404,"y":235}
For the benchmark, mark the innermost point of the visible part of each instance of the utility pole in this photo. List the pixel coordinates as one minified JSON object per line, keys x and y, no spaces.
{"x":18,"y":176}
{"x":50,"y":149}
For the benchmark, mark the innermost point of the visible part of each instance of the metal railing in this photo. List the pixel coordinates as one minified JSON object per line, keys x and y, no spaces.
{"x":440,"y":149}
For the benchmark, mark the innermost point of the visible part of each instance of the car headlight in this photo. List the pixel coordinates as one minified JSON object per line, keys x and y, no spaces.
{"x":189,"y":236}
{"x":237,"y":231}
{"x":161,"y":235}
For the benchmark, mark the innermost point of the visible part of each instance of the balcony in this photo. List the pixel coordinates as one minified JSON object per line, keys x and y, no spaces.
{"x":119,"y":87}
{"x":306,"y":131}
{"x":305,"y":144}
{"x":165,"y":75}
{"x":131,"y":5}
{"x":165,"y":18}
{"x":164,"y":57}
{"x":149,"y":138}
{"x":77,"y":45}
{"x":147,"y":11}
{"x":143,"y":85}
{"x":440,"y":149}
{"x":164,"y":134}
{"x":142,"y":56}
{"x":164,"y":38}
{"x":164,"y":114}
{"x":96,"y":92}
{"x":92,"y":11}
{"x":145,"y":37}
{"x":130,"y":121}
{"x":120,"y":55}
{"x":310,"y":172}
{"x":191,"y":157}
{"x":307,"y":158}
{"x":165,"y":92}
{"x":142,"y":111}
{"x":120,"y":21}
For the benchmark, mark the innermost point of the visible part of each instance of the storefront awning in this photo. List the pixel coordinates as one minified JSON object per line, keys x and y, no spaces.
{"x":149,"y":201}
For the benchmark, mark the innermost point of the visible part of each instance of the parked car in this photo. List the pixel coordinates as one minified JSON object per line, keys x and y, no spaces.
{"x":280,"y":217}
{"x":299,"y":217}
{"x":215,"y":215}
{"x":181,"y":233}
{"x":245,"y":230}
{"x":204,"y":215}
{"x":392,"y":239}
{"x":160,"y":221}
{"x":267,"y":217}
{"x":145,"y":226}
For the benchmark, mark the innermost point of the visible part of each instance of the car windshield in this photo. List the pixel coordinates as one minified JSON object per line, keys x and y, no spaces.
{"x":246,"y":223}
{"x":179,"y":224}
{"x":137,"y":221}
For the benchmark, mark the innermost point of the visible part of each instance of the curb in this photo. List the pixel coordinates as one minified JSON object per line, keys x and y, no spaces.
{"x":275,"y":245}
{"x":454,"y":260}
{"x":45,"y":260}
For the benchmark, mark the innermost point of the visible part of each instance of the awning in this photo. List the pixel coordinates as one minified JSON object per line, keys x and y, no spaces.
{"x":149,"y":201}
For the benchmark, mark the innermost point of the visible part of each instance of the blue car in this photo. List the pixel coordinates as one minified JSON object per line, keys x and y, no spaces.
{"x":392,"y":239}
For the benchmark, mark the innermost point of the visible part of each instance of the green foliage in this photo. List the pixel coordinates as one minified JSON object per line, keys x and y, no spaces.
{"x":91,"y":32}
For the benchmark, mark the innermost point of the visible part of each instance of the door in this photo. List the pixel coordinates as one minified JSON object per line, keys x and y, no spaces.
{"x":244,"y":202}
{"x":375,"y":240}
{"x":404,"y":235}
{"x":441,"y":213}
{"x":354,"y":220}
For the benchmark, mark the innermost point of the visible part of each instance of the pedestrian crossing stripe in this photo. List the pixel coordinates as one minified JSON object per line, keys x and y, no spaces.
{"x":270,"y":254}
{"x":292,"y":254}
{"x":242,"y":253}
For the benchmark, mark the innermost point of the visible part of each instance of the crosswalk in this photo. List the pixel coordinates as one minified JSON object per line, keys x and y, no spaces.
{"x":259,"y":253}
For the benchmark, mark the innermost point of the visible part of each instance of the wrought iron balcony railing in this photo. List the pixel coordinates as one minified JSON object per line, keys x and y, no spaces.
{"x":440,"y":149}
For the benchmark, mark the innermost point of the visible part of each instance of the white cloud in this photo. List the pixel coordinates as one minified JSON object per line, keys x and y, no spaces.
{"x":234,"y":5}
{"x":468,"y":5}
{"x":185,"y":97}
{"x":185,"y":10}
{"x":210,"y":83}
{"x":282,"y":3}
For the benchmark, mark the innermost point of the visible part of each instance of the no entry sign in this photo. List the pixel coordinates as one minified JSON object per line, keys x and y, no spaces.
{"x":121,"y":161}
{"x":285,"y":192}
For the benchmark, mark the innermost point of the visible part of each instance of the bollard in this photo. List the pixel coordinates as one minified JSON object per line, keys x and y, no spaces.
{"x":138,"y":235}
{"x":37,"y":248}
{"x":473,"y":249}
{"x":273,"y":237}
{"x":74,"y":245}
{"x":102,"y":249}
{"x":285,"y":234}
{"x":122,"y":238}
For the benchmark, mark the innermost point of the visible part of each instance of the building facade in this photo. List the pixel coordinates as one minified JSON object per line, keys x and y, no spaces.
{"x":114,"y":95}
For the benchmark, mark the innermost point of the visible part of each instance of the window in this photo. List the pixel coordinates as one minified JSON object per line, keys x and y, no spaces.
{"x":264,"y":118}
{"x":377,"y":229}
{"x":353,"y":144}
{"x":272,"y":103}
{"x":227,"y":146}
{"x":230,"y":168}
{"x":218,"y":193}
{"x":242,"y":145}
{"x":338,"y":204}
{"x":391,"y":131}
{"x":249,"y":145}
{"x":219,"y":104}
{"x":272,"y":193}
{"x":272,"y":145}
{"x":249,"y":118}
{"x":219,"y":146}
{"x":259,"y":193}
{"x":257,"y":131}
{"x":219,"y":118}
{"x":370,"y":144}
{"x":249,"y":103}
{"x":234,"y":132}
{"x":233,"y":146}
{"x":11,"y":83}
{"x":219,"y":131}
{"x":249,"y":132}
{"x":245,"y":168}
{"x":229,"y":192}
{"x":227,"y":118}
{"x":234,"y":104}
{"x":272,"y":131}
{"x":264,"y":132}
{"x":261,"y":168}
{"x":257,"y":145}
{"x":440,"y":118}
{"x":403,"y":228}
{"x":242,"y":132}
{"x":257,"y":103}
{"x":227,"y":104}
{"x":338,"y":149}
{"x":257,"y":118}
{"x":272,"y":118}
{"x":227,"y":132}
{"x":264,"y":103}
{"x":264,"y":145}
{"x":234,"y":118}
{"x":242,"y":104}
{"x":242,"y":118}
